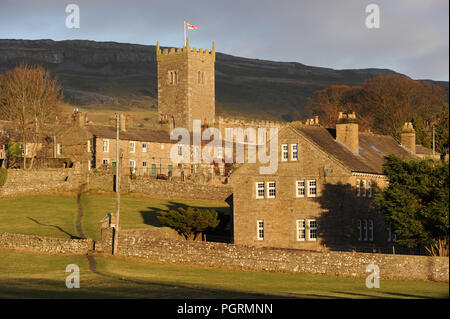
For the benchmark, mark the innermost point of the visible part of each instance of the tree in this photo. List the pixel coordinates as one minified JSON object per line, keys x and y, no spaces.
{"x":189,"y":222}
{"x":442,"y":128}
{"x":416,"y":203}
{"x":31,"y":98}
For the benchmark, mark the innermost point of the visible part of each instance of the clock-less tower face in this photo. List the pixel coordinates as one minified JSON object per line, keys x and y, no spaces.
{"x":186,"y":85}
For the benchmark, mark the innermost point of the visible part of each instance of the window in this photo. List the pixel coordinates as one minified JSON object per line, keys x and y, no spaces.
{"x":312,"y":188}
{"x":294,"y":152}
{"x":271,"y":190}
{"x":365,"y":229}
{"x":391,"y":236}
{"x":105,"y":162}
{"x":358,"y":188}
{"x":89,"y":146}
{"x":300,"y":186}
{"x":132,"y":166}
{"x":359,"y":230}
{"x":144,"y":167}
{"x":173,"y":77}
{"x":132,"y":147}
{"x":59,"y":149}
{"x":312,"y":229}
{"x":260,"y":229}
{"x":106,"y":146}
{"x":260,"y":190}
{"x":229,"y":134}
{"x":144,"y":147}
{"x":301,"y":230}
{"x":364,"y":190}
{"x":284,"y":152}
{"x":369,"y":188}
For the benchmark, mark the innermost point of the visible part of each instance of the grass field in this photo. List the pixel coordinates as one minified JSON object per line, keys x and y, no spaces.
{"x":31,"y":275}
{"x":56,"y":215}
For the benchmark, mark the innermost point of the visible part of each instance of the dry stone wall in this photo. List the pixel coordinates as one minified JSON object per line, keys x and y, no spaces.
{"x":21,"y":181}
{"x":346,"y":264}
{"x":46,"y":244}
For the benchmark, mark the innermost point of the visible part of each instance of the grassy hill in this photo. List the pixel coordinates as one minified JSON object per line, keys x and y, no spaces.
{"x":106,"y":76}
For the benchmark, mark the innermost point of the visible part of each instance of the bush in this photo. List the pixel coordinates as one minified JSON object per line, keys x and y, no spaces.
{"x":3,"y":176}
{"x":189,"y":222}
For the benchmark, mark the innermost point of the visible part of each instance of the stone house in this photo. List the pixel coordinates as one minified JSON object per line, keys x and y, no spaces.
{"x":321,"y":196}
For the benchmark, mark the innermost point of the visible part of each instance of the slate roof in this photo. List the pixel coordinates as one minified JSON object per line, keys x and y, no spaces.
{"x":131,"y":134}
{"x":372,"y":148}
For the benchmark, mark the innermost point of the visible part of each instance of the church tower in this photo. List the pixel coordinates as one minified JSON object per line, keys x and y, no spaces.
{"x":186,"y":90}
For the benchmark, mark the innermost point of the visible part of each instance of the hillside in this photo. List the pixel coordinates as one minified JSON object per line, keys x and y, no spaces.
{"x":104,"y":76}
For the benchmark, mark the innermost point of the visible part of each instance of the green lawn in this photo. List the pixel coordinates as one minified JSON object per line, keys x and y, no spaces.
{"x":32,"y":275}
{"x":56,"y":215}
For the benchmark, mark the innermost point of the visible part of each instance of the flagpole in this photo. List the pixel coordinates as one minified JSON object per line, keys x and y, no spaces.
{"x":184,"y":32}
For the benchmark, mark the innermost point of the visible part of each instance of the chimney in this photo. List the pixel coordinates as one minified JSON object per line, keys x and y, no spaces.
{"x":316,"y":120}
{"x":347,"y":131}
{"x":123,"y":123}
{"x":408,"y":137}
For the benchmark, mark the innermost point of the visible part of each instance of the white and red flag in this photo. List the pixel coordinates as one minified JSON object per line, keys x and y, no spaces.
{"x":191,"y":27}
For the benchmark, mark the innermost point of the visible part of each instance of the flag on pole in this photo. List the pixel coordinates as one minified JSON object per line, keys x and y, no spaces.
{"x":192,"y":27}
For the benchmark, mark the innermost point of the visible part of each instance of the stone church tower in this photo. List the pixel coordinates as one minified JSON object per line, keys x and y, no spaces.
{"x":186,"y":86}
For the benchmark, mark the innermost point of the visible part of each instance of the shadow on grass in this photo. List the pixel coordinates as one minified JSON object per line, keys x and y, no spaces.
{"x":221,"y":233}
{"x":55,"y":226}
{"x":111,"y":287}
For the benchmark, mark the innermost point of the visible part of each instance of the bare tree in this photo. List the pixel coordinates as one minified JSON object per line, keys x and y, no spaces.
{"x":31,"y":98}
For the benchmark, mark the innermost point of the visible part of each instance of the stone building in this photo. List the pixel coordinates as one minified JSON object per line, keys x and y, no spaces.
{"x":321,"y":195}
{"x":186,"y":85}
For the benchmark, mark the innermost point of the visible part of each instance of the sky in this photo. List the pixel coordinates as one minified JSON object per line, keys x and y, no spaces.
{"x":412,"y":37}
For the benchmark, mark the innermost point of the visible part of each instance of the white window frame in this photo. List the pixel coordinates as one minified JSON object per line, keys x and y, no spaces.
{"x":144,"y":147}
{"x":132,"y":147}
{"x":105,"y":160}
{"x":369,"y":188}
{"x":263,"y":188}
{"x":269,"y":188}
{"x":301,"y":230}
{"x":284,"y":151}
{"x":299,"y":187}
{"x":310,"y":229}
{"x":105,"y":143}
{"x":260,"y":229}
{"x":89,"y":147}
{"x":310,"y":188}
{"x":59,"y":149}
{"x":294,"y":152}
{"x":364,"y":188}
{"x":358,"y":187}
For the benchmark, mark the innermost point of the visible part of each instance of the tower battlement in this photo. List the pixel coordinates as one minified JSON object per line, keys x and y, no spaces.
{"x":186,"y":51}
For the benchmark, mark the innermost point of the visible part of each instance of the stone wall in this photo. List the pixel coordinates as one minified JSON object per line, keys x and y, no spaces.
{"x":21,"y":181}
{"x":159,"y":188}
{"x":346,"y":264}
{"x":46,"y":244}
